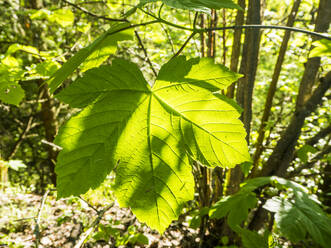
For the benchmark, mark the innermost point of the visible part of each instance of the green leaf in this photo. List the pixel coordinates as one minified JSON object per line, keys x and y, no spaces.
{"x":252,"y":239}
{"x":300,"y":216}
{"x":236,"y":207}
{"x":95,"y":54}
{"x":303,"y":152}
{"x":16,"y":47}
{"x":147,"y":133}
{"x":322,"y":48}
{"x":11,"y":93}
{"x":64,"y":17}
{"x":196,"y":5}
{"x":40,"y":14}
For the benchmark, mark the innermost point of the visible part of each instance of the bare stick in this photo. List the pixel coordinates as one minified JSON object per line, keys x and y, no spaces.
{"x":37,"y":228}
{"x":94,"y":15}
{"x":145,"y":53}
{"x":96,"y":222}
{"x":184,"y":45}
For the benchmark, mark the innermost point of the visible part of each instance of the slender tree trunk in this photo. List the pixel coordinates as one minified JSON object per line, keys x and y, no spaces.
{"x":202,"y":36}
{"x":248,"y":68}
{"x":236,"y":45}
{"x":48,"y":116}
{"x":309,"y":77}
{"x":249,"y":64}
{"x":273,"y":86}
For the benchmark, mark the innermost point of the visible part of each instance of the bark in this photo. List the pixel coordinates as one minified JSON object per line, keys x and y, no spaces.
{"x":211,"y":52}
{"x":248,"y":68}
{"x":249,"y":64}
{"x":309,"y":77}
{"x":236,"y":45}
{"x":273,"y":86}
{"x":48,"y":116}
{"x":202,"y":36}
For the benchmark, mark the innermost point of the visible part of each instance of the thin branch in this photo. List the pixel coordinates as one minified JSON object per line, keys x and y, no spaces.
{"x":195,"y":19}
{"x":145,"y":53}
{"x":91,"y":206}
{"x":95,"y":223}
{"x":251,"y":26}
{"x":56,"y":147}
{"x":37,"y":228}
{"x":320,"y":35}
{"x":160,"y":10}
{"x":184,"y":45}
{"x":314,"y":160}
{"x":21,"y":138}
{"x":94,"y":15}
{"x":169,"y":38}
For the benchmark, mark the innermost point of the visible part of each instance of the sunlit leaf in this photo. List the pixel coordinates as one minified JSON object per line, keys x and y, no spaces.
{"x":295,"y":218}
{"x":64,"y":17}
{"x":146,"y":134}
{"x":322,"y":48}
{"x":95,"y":54}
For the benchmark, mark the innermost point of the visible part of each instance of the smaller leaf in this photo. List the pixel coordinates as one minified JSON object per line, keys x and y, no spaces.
{"x":322,"y":48}
{"x":16,"y":47}
{"x":300,"y":216}
{"x":252,"y":239}
{"x":64,"y":17}
{"x":11,"y":93}
{"x":90,"y":51}
{"x":235,"y":207}
{"x":303,"y":152}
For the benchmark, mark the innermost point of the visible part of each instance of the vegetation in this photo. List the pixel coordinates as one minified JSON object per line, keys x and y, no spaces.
{"x":129,"y":112}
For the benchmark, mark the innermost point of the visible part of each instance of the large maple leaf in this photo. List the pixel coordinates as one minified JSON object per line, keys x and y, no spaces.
{"x":150,"y":132}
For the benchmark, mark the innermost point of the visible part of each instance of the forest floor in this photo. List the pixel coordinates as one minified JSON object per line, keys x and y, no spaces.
{"x":64,"y":222}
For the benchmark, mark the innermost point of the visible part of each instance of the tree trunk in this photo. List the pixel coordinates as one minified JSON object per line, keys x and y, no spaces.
{"x":273,"y":86}
{"x":236,"y":45}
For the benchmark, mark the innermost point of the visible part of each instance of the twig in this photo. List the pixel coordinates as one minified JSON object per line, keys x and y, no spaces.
{"x":94,"y":15}
{"x":91,"y":206}
{"x":37,"y":228}
{"x":252,"y":26}
{"x":268,"y":27}
{"x":184,"y":45}
{"x":145,"y":53}
{"x":96,"y":222}
{"x":51,"y":144}
{"x":21,"y":138}
{"x":169,"y":38}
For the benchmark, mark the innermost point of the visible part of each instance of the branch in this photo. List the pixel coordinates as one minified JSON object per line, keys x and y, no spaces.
{"x":251,"y":26}
{"x":96,"y":222}
{"x":321,"y":134}
{"x":299,"y":30}
{"x":282,"y":154}
{"x":184,"y":45}
{"x":21,"y":138}
{"x":37,"y":228}
{"x":319,"y":156}
{"x":145,"y":53}
{"x":94,"y":15}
